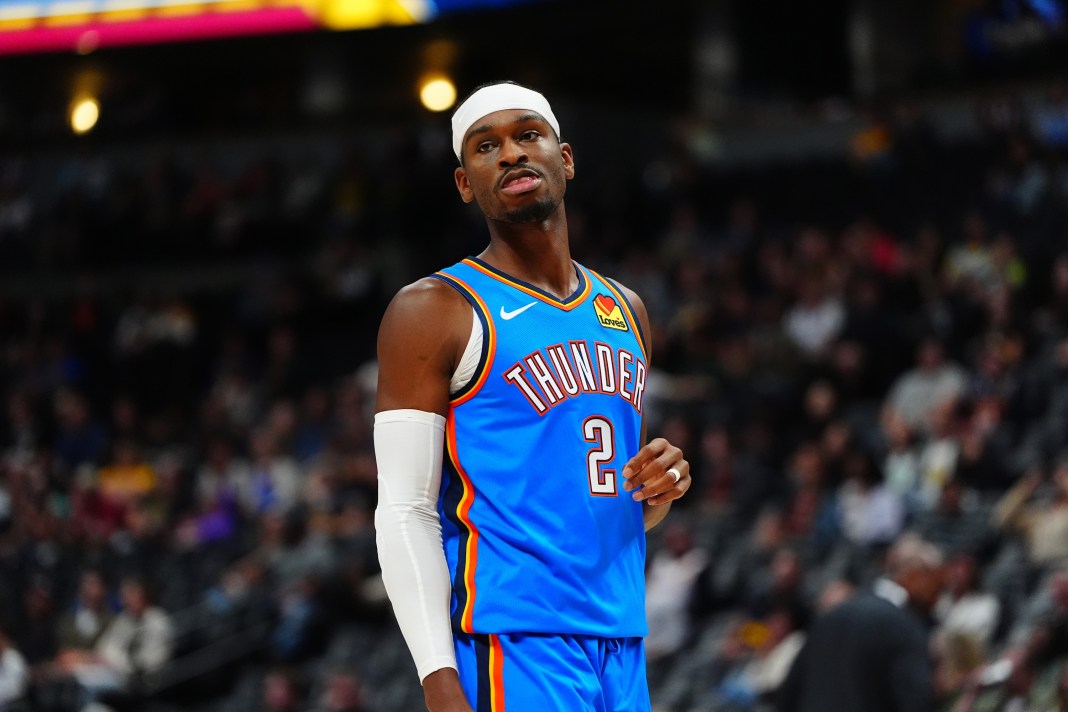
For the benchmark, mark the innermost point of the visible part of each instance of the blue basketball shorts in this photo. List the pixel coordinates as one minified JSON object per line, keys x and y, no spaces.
{"x":526,"y":672}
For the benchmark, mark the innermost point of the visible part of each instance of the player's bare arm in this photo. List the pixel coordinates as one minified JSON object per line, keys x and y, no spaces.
{"x":420,"y":341}
{"x":650,"y":474}
{"x":421,"y":338}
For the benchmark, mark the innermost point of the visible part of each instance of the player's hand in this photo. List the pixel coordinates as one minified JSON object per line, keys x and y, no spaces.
{"x":647,"y":475}
{"x":443,"y":693}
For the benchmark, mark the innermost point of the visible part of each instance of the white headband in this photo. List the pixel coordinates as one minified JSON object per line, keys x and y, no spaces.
{"x":497,"y":97}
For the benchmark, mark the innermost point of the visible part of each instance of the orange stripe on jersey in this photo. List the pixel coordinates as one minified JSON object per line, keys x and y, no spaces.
{"x":571,"y":302}
{"x":490,"y":336}
{"x":639,"y":333}
{"x":496,"y":661}
{"x":463,"y":511}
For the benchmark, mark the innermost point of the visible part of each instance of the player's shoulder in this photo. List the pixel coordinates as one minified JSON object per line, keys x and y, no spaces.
{"x":427,"y":292}
{"x":426,"y":301}
{"x":627,"y":292}
{"x":632,"y":296}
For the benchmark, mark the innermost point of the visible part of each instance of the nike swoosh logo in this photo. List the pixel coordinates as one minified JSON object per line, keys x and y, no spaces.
{"x":506,"y":315}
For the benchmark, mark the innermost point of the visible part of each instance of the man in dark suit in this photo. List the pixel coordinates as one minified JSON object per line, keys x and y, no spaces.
{"x":870,"y":653}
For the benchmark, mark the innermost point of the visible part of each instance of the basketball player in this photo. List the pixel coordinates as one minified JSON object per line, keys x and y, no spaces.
{"x":514,"y":493}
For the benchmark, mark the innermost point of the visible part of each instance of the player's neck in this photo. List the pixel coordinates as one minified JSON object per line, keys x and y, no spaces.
{"x":536,"y":253}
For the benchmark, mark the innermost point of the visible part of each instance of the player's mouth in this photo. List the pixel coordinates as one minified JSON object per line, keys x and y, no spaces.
{"x":521,"y":180}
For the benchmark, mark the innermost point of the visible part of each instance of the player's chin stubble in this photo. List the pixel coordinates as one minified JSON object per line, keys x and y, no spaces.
{"x":536,"y":212}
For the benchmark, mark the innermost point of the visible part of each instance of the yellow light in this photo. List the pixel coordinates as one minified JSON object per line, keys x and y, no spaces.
{"x":84,"y":114}
{"x":438,"y":94}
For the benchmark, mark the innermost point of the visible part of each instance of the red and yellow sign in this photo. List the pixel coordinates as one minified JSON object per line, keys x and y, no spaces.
{"x":84,"y":25}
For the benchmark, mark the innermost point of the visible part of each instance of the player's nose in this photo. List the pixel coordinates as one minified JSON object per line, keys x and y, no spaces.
{"x":512,"y":154}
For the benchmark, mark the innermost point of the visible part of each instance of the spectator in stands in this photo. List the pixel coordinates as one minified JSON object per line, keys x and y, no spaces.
{"x":837,"y":445}
{"x":779,"y":587}
{"x":313,"y":430}
{"x":1043,"y":524}
{"x":291,"y":551}
{"x":137,"y":642}
{"x":964,"y":609}
{"x":14,"y":673}
{"x":284,"y":690}
{"x":214,"y":515}
{"x":954,"y":524}
{"x":221,"y":476}
{"x":958,"y":658}
{"x":821,"y":407}
{"x":971,"y":260}
{"x":140,"y":639}
{"x":734,"y":480}
{"x":940,"y":452}
{"x":127,"y":476}
{"x":759,"y":678}
{"x":871,"y":513}
{"x":274,"y":479}
{"x":816,"y":319}
{"x":95,"y":517}
{"x":1012,"y":682}
{"x":997,"y":377}
{"x":233,"y":400}
{"x":833,"y":593}
{"x":670,"y":578}
{"x":242,"y":597}
{"x":1053,"y":317}
{"x":343,"y":693}
{"x":22,"y":437}
{"x":984,"y":446}
{"x":302,"y":624}
{"x":81,"y":439}
{"x":142,"y":549}
{"x":1042,"y":628}
{"x":81,"y":627}
{"x":870,"y":652}
{"x":901,"y":464}
{"x":35,"y":630}
{"x":933,"y":382}
{"x":811,"y":514}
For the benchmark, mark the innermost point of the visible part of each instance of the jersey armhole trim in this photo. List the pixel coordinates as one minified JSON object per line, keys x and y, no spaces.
{"x":489,"y":338}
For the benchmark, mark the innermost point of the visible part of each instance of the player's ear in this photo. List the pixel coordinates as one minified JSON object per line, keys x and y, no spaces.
{"x":463,"y":185}
{"x":569,"y":160}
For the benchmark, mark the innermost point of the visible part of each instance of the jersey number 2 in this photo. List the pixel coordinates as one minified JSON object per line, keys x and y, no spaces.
{"x":598,"y":430}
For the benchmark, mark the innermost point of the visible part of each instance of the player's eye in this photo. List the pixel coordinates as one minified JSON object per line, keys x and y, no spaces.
{"x":529,"y":135}
{"x":483,"y":147}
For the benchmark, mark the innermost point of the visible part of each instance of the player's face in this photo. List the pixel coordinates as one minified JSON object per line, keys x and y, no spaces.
{"x":514,"y":167}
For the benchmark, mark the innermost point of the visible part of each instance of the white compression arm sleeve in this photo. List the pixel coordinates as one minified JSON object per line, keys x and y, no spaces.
{"x":408,"y":447}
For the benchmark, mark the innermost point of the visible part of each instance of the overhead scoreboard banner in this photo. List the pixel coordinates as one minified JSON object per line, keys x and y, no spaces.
{"x":84,"y":25}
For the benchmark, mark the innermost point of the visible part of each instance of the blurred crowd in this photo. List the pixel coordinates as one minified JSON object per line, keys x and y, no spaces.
{"x":849,"y":350}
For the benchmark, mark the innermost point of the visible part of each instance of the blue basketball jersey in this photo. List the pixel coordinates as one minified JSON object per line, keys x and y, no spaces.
{"x":539,"y":534}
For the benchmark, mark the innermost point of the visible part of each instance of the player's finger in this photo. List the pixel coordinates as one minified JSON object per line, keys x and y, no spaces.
{"x":650,"y":452}
{"x":664,"y":477}
{"x":673,"y":490}
{"x":643,"y":457}
{"x":649,"y":471}
{"x":652,"y":472}
{"x":658,"y":485}
{"x":666,"y":454}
